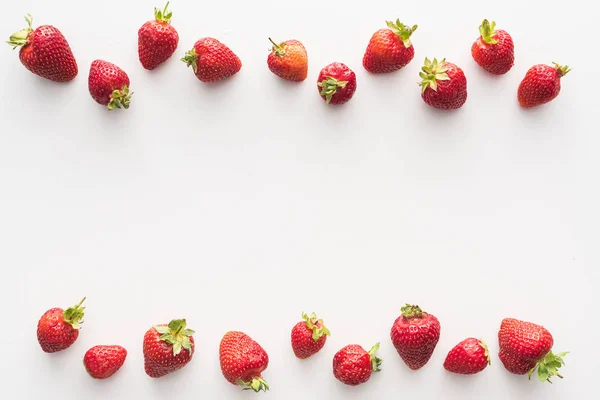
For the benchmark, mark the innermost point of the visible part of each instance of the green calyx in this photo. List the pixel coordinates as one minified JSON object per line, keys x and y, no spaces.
{"x":191,"y":59}
{"x":412,"y":311}
{"x":120,"y":98}
{"x":548,"y":366}
{"x":163,"y":15}
{"x":375,"y":361}
{"x":74,"y":315}
{"x":486,"y":352}
{"x":562,"y":69}
{"x":278,"y":49}
{"x":177,"y":335}
{"x":433,"y":71}
{"x":313,"y":323}
{"x":257,"y":384}
{"x":488,"y":31}
{"x":330,"y":86}
{"x":403,"y":31}
{"x":21,"y":38}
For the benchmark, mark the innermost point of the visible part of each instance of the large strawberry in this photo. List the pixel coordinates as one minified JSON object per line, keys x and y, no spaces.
{"x":415,"y":334}
{"x":526,"y":347}
{"x":101,"y":362}
{"x":109,"y":85}
{"x":336,"y":83}
{"x":167,"y":348}
{"x":212,"y":61}
{"x":494,"y":49}
{"x":541,"y":84}
{"x":157,"y":39}
{"x":309,"y":336}
{"x":45,"y":52}
{"x":242,"y":361}
{"x":469,"y":357}
{"x":389,"y":49}
{"x":58,"y":329}
{"x":353,"y":365}
{"x":443,"y":84}
{"x":288,"y":60}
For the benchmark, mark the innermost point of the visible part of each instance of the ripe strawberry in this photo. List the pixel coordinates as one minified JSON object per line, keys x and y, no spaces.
{"x":352,"y":365}
{"x":242,"y":361}
{"x":494,"y":49}
{"x":468,"y":357}
{"x":109,"y":85}
{"x":309,"y":336}
{"x":525,"y":347}
{"x":212,"y":61}
{"x":443,"y":85}
{"x":336,"y":83}
{"x":102,"y":362}
{"x":541,"y":84}
{"x":167,"y":348}
{"x":389,"y":49}
{"x":157,"y":40}
{"x":415,"y":334}
{"x":288,"y":60}
{"x":45,"y":52}
{"x":58,"y":329}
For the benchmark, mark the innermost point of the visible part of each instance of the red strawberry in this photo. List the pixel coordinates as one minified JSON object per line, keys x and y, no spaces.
{"x":352,"y":365}
{"x":468,"y":357}
{"x":58,"y":329}
{"x":45,"y":52}
{"x":288,"y":60}
{"x":415,"y":334}
{"x":525,"y":347}
{"x":212,"y":61}
{"x":242,"y":361}
{"x":443,"y":85}
{"x":309,"y":336}
{"x":102,"y":362}
{"x":493,"y":50}
{"x":109,"y":85}
{"x":541,"y":84}
{"x":167,"y":348}
{"x":157,"y":40}
{"x":389,"y":49}
{"x":336,"y":83}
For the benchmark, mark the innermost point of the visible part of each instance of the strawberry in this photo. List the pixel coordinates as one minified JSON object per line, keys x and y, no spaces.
{"x":288,"y":60}
{"x":242,"y":361}
{"x":157,"y":39}
{"x":336,"y":83}
{"x":309,"y":336}
{"x":526,"y":347}
{"x":353,"y":365}
{"x":58,"y":329}
{"x":415,"y":334}
{"x":443,"y":85}
{"x":102,"y":362}
{"x":389,"y":49}
{"x":541,"y":84}
{"x":109,"y":85}
{"x":167,"y":348}
{"x":212,"y":61}
{"x":45,"y":52}
{"x":493,"y":50}
{"x":468,"y":357}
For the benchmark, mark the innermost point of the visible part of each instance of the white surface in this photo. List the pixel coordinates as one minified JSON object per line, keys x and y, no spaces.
{"x":238,"y":205}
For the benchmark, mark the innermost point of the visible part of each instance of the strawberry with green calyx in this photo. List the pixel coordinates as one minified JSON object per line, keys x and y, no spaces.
{"x":109,"y":85}
{"x":493,"y":50}
{"x":167,"y":348}
{"x":336,"y":83}
{"x":309,"y":336}
{"x":353,"y":365}
{"x":541,"y":84}
{"x":469,"y":357}
{"x":389,"y":49}
{"x":243,"y":361}
{"x":58,"y":329}
{"x":443,"y":84}
{"x":288,"y":60}
{"x":157,"y":39}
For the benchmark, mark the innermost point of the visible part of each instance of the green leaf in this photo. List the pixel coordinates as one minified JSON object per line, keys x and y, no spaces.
{"x":176,"y":348}
{"x":543,"y":373}
{"x":188,"y":332}
{"x":162,"y":329}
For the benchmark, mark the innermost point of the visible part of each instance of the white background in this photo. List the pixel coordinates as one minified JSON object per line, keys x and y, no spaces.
{"x":240,"y":204}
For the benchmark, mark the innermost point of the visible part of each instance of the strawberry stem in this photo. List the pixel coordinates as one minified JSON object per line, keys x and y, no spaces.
{"x":562,"y":69}
{"x":21,"y":37}
{"x":177,"y":335}
{"x":375,"y":361}
{"x":403,"y":31}
{"x":257,"y":384}
{"x":191,"y":59}
{"x":163,"y":15}
{"x":74,"y":315}
{"x":120,"y":98}
{"x":548,"y":366}
{"x":313,"y":323}
{"x":278,"y":49}
{"x":486,"y":351}
{"x":412,"y":311}
{"x":330,"y":86}
{"x":488,"y":31}
{"x":433,"y":71}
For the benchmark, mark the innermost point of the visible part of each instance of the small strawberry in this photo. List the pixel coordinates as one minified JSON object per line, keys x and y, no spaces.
{"x":468,"y":357}
{"x":101,"y":362}
{"x":242,"y":361}
{"x":212,"y":61}
{"x":493,"y":50}
{"x":58,"y":329}
{"x":309,"y":336}
{"x":109,"y":85}
{"x":45,"y":52}
{"x":443,"y":85}
{"x":415,"y":334}
{"x":352,"y":365}
{"x":541,"y":84}
{"x":167,"y":348}
{"x":288,"y":60}
{"x":336,"y":83}
{"x":157,"y":39}
{"x":389,"y":49}
{"x":525,"y":347}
